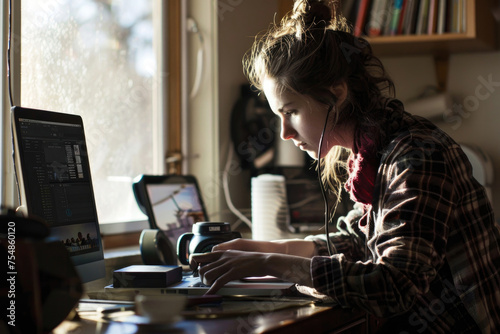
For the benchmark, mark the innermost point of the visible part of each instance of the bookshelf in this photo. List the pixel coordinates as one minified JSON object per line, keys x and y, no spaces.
{"x":478,"y":35}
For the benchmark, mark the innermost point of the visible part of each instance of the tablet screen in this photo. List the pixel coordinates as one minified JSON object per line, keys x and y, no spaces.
{"x":173,"y":203}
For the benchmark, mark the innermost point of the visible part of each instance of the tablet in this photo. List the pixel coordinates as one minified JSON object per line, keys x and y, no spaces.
{"x":173,"y":203}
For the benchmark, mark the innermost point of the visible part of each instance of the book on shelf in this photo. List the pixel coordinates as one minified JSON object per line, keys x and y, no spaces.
{"x":463,"y":16}
{"x":406,"y":17}
{"x":432,"y":16}
{"x":422,"y":17}
{"x":377,"y":18}
{"x":410,"y":17}
{"x":452,"y":16}
{"x":396,"y":14}
{"x":386,"y":30}
{"x":457,"y":16}
{"x":441,"y":22}
{"x":404,"y":7}
{"x":361,"y":17}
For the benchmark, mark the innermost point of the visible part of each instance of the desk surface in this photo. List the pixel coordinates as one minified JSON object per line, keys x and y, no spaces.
{"x":301,"y":319}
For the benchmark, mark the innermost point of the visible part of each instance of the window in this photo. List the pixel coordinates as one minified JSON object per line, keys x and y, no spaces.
{"x":97,"y":59}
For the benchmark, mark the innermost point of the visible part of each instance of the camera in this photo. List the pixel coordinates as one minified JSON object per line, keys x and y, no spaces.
{"x":204,"y":237}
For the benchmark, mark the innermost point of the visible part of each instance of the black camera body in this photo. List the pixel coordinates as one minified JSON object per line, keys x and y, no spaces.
{"x":204,"y":237}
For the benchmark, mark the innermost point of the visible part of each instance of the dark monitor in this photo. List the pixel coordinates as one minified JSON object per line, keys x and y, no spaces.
{"x":53,"y":174}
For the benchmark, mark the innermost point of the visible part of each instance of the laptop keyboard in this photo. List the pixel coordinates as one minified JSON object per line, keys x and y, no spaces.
{"x":199,"y":285}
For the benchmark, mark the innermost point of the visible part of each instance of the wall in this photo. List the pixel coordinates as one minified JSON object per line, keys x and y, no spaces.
{"x":480,"y":122}
{"x":238,"y":22}
{"x":480,"y":126}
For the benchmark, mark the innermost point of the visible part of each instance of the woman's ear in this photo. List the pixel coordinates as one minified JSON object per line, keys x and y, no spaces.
{"x":340,"y":92}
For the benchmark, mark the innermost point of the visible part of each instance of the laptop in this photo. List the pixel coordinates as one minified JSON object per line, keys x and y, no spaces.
{"x":190,"y":285}
{"x":54,"y":181}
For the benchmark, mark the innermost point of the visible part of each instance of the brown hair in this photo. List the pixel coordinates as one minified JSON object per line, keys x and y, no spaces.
{"x":312,"y":50}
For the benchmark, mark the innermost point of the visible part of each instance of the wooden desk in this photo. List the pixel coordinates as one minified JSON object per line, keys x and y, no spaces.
{"x":304,"y":319}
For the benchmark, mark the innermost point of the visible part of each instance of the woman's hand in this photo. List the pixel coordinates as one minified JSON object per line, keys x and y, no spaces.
{"x":220,"y":267}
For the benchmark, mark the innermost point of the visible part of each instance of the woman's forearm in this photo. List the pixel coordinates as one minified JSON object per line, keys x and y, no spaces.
{"x":298,"y":247}
{"x":289,"y":268}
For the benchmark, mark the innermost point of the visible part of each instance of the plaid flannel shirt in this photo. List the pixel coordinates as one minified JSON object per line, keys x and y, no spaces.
{"x":427,"y":251}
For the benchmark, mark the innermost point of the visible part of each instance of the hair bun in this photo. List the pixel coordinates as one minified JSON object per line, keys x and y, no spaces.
{"x":314,"y":11}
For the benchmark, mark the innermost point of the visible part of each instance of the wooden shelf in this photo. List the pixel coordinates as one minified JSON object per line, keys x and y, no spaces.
{"x":434,"y":44}
{"x":480,"y":35}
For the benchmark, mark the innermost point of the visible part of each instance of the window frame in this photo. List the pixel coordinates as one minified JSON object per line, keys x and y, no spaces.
{"x":7,"y":176}
{"x":166,"y":98}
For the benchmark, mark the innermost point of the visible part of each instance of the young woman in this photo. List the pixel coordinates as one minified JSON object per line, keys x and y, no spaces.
{"x":421,"y":248}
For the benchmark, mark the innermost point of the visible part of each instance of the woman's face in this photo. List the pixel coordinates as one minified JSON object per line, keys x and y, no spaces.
{"x":302,"y":120}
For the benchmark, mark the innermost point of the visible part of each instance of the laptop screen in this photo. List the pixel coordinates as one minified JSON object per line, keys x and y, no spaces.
{"x":53,"y":174}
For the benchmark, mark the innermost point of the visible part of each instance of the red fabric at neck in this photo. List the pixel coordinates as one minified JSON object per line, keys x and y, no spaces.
{"x":363,"y":165}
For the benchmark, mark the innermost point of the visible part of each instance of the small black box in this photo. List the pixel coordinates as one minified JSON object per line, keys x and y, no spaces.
{"x":147,"y":276}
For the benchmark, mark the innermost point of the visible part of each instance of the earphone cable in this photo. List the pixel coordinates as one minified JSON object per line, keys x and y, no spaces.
{"x":322,"y":186}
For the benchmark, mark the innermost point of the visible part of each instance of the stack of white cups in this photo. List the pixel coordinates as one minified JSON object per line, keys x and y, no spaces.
{"x":270,"y":215}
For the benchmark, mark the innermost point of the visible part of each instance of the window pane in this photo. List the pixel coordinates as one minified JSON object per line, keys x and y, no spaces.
{"x":95,"y":58}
